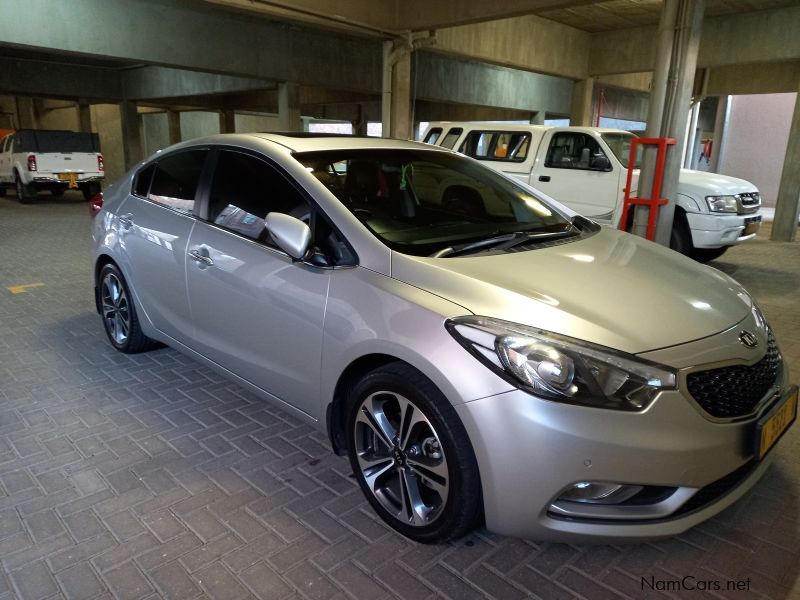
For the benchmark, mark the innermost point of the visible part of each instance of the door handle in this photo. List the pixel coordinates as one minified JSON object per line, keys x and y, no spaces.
{"x":126,"y":220}
{"x":200,"y":258}
{"x":544,"y":178}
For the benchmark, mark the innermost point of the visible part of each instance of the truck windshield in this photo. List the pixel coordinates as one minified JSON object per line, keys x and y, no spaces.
{"x":620,"y":144}
{"x":420,"y":202}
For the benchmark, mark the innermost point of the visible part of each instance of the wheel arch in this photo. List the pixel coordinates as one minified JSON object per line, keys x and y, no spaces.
{"x":336,"y":409}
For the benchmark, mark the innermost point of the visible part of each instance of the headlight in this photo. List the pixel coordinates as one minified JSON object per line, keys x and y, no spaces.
{"x":559,"y":368}
{"x":722,"y":204}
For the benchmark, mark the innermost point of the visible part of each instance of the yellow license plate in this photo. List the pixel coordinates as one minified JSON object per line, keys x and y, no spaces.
{"x":752,"y":227}
{"x":777,"y":423}
{"x":72,"y":178}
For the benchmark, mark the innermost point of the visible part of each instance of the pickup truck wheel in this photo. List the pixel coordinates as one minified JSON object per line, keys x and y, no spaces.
{"x":2,"y":191}
{"x":24,"y":194}
{"x":705,"y":255}
{"x":680,"y":239}
{"x":90,"y":190}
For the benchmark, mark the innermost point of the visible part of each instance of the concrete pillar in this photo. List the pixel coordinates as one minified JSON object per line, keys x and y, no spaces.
{"x":84,"y":116}
{"x":401,"y":122}
{"x":582,"y":103}
{"x":289,"y":107}
{"x":676,"y":61}
{"x":787,"y":207}
{"x":720,"y":124}
{"x":537,"y":118}
{"x":174,"y":126}
{"x":131,"y":133}
{"x":691,"y":137}
{"x":26,"y":112}
{"x":360,"y":123}
{"x":227,"y":121}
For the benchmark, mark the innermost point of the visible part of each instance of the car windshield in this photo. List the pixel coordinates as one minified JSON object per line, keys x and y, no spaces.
{"x":620,"y":144}
{"x":422,"y":202}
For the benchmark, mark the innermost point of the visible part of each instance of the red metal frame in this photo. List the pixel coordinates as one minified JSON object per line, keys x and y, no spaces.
{"x":655,"y":200}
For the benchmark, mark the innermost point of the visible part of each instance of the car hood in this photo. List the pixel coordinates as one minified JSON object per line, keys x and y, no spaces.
{"x":712,"y":184}
{"x":612,"y":289}
{"x":701,"y":184}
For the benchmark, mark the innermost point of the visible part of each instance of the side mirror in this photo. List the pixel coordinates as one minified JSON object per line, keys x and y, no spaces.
{"x":600,"y":163}
{"x":292,"y":235}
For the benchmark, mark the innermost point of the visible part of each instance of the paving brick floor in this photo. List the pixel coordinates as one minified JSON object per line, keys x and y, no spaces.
{"x":150,"y":476}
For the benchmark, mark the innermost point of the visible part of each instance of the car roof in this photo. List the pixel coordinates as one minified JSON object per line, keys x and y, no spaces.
{"x":310,"y":142}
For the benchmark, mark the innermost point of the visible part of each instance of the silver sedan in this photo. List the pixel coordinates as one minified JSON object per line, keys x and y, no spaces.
{"x":479,"y":351}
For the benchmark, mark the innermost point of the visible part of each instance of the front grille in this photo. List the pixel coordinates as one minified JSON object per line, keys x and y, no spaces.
{"x":735,"y":391}
{"x":749,"y":202}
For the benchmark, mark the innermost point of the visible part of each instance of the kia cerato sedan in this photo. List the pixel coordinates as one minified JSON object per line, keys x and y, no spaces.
{"x":480,"y":352}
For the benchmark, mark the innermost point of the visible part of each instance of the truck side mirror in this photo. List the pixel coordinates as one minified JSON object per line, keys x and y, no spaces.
{"x":600,"y":162}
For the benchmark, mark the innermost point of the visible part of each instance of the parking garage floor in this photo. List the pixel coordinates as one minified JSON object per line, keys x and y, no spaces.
{"x":150,"y":476}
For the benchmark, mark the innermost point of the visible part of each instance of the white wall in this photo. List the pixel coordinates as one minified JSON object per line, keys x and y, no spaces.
{"x":755,"y":140}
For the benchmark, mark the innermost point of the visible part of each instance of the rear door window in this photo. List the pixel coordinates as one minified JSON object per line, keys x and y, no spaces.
{"x":176,"y":179}
{"x":433,"y":135}
{"x":508,"y":146}
{"x":451,"y":138}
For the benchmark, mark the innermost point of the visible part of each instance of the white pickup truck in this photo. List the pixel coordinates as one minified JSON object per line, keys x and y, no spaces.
{"x":586,"y":169}
{"x":36,"y":159}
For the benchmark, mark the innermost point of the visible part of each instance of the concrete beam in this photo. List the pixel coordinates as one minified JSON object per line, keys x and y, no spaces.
{"x":51,"y":80}
{"x":444,"y":79}
{"x":439,"y":111}
{"x":195,"y":37}
{"x":765,"y":78}
{"x":761,"y":36}
{"x":148,"y":83}
{"x":529,"y":42}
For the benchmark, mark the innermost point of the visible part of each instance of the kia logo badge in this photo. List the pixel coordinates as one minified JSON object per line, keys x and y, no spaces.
{"x":748,"y":339}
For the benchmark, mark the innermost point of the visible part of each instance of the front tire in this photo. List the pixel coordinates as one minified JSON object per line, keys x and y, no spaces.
{"x":680,"y":238}
{"x":119,"y":313}
{"x":411,"y":455}
{"x":705,"y":255}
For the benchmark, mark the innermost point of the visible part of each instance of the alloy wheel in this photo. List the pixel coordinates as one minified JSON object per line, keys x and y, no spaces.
{"x":401,"y":458}
{"x":116,"y":312}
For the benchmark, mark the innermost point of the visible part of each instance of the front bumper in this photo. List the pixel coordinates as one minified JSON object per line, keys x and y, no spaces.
{"x":530,"y":450}
{"x":717,"y":230}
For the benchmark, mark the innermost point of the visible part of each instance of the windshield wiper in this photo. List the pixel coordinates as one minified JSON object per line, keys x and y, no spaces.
{"x":490,"y":241}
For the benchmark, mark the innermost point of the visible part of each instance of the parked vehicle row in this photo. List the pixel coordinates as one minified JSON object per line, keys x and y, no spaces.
{"x":586,"y":169}
{"x":33,"y":160}
{"x":480,"y":352}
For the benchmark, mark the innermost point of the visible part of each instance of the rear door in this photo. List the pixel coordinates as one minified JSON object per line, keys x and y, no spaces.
{"x":256,"y":312}
{"x":575,"y":170}
{"x":155,"y":224}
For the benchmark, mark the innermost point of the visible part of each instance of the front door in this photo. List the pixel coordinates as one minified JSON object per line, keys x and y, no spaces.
{"x":577,"y":172}
{"x":256,"y":312}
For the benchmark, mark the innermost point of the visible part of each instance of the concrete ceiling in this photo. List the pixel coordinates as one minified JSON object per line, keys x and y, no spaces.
{"x":393,"y":17}
{"x":623,"y":14}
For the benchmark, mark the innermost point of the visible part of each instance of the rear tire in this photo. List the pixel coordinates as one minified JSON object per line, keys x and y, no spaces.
{"x":119,"y":313}
{"x":90,"y":190}
{"x":411,"y":455}
{"x":705,"y":255}
{"x":3,"y":191}
{"x":24,"y":192}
